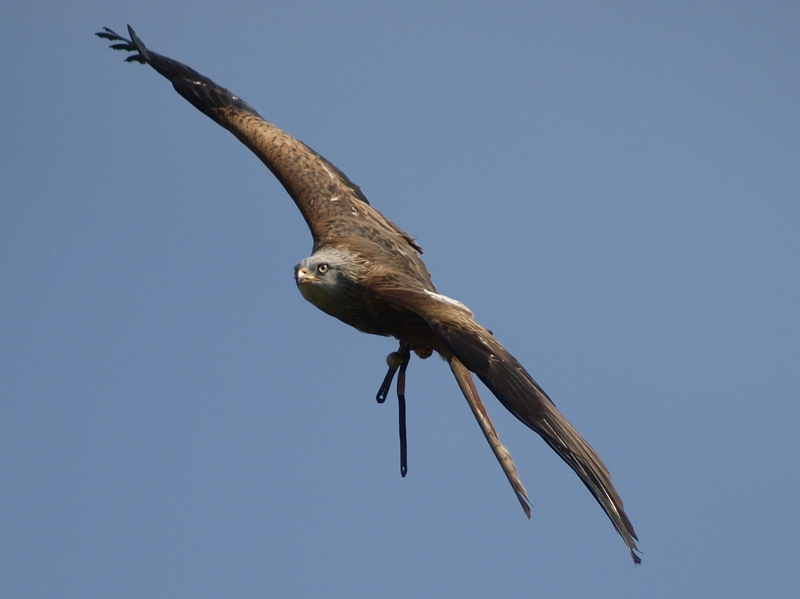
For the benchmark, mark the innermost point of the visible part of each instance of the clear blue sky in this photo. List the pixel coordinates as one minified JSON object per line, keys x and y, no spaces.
{"x":613,"y":188}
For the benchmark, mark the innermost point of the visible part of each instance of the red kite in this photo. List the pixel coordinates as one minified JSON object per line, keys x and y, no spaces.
{"x":367,"y":272}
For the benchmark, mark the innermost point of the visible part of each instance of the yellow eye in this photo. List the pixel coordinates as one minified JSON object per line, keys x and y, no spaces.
{"x":322,"y":268}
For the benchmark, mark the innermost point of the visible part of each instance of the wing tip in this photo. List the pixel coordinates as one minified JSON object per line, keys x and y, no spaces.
{"x":124,"y":44}
{"x":634,"y":554}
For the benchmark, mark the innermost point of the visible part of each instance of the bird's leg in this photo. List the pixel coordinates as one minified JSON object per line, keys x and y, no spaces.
{"x":464,"y":378}
{"x":398,"y":360}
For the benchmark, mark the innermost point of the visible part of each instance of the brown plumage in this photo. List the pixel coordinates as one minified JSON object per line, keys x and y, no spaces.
{"x":367,"y":272}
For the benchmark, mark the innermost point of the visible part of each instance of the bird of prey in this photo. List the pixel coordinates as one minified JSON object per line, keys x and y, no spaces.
{"x":367,"y":272}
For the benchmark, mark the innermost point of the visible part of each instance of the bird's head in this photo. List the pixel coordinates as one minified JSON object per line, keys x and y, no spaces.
{"x":325,"y":277}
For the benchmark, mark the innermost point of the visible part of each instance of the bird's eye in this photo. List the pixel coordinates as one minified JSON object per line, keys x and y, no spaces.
{"x":322,"y":268}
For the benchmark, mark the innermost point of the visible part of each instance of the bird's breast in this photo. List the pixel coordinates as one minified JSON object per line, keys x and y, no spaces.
{"x":371,"y":314}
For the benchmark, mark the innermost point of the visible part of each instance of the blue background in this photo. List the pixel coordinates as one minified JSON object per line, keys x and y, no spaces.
{"x":611,"y":187}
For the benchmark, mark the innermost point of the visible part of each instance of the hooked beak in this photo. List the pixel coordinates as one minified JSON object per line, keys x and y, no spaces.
{"x":303,"y":276}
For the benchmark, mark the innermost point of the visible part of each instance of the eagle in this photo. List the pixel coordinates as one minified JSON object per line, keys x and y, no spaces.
{"x":367,"y":272}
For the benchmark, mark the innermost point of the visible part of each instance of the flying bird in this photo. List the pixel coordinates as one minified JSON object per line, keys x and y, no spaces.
{"x":368,"y":273}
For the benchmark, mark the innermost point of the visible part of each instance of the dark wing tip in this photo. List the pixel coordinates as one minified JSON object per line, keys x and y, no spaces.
{"x":199,"y":90}
{"x":126,"y":45}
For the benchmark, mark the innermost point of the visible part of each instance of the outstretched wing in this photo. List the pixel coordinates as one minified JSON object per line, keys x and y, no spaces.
{"x":331,"y":204}
{"x":476,"y":348}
